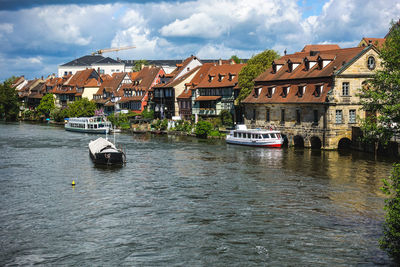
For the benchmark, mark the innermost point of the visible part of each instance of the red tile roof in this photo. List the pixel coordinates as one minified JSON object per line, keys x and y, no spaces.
{"x":320,"y":47}
{"x":378,"y":42}
{"x":208,"y":98}
{"x":223,"y":76}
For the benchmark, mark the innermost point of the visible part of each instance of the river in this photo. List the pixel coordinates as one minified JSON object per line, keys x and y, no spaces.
{"x":187,"y":202}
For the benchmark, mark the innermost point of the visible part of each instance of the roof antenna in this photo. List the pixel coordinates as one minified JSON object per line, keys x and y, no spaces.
{"x":284,"y":51}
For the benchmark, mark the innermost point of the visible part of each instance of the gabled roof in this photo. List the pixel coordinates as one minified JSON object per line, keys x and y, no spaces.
{"x":377,"y":42}
{"x":80,"y":78}
{"x":182,"y":66}
{"x":179,"y":80}
{"x":112,"y":85}
{"x":17,"y":81}
{"x":320,"y":47}
{"x":224,"y":76}
{"x":84,"y":61}
{"x":146,"y":77}
{"x":107,"y":60}
{"x":338,"y":58}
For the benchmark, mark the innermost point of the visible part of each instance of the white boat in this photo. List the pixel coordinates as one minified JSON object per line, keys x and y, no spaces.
{"x":102,"y":151}
{"x":254,"y":137}
{"x":97,"y":124}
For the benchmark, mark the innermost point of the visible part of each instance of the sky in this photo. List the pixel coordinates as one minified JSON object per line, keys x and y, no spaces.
{"x":38,"y":35}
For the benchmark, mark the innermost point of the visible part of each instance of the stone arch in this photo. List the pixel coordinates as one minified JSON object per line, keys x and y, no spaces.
{"x":298,"y":141}
{"x":315,"y":142}
{"x":344,"y":143}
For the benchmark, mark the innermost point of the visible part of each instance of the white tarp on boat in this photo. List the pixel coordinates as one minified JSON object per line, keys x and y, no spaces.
{"x":97,"y":145}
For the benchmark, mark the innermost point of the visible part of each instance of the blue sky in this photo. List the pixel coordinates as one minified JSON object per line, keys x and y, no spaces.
{"x":37,"y":36}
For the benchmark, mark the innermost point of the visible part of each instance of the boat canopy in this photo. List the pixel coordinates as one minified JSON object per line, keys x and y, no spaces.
{"x":99,"y":144}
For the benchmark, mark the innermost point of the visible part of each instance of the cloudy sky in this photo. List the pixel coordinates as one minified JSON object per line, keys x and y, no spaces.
{"x":37,"y":36}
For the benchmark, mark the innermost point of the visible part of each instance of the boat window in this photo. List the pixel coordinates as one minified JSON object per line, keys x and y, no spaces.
{"x":235,"y":134}
{"x":95,"y":126}
{"x":265,"y":136}
{"x":101,"y":125}
{"x":273,"y":135}
{"x":278,"y":135}
{"x":259,"y":136}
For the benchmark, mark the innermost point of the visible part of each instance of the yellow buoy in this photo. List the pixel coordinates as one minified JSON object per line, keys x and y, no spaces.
{"x":73,"y":183}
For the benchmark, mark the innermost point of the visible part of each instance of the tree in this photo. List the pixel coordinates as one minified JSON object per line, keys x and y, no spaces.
{"x":81,"y":108}
{"x":382,"y":97}
{"x":236,"y":59}
{"x":255,"y":66}
{"x":226,"y":118}
{"x":138,"y":64}
{"x":46,"y":105}
{"x":391,"y":228}
{"x":9,"y":104}
{"x":203,"y":129}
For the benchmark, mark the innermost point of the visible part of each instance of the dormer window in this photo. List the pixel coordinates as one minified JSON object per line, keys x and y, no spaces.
{"x":285,"y":91}
{"x":220,"y":77}
{"x":371,"y":63}
{"x":257,"y":91}
{"x":290,"y":66}
{"x":270,"y":91}
{"x":230,"y":76}
{"x":317,"y":91}
{"x":300,"y":91}
{"x":210,"y":78}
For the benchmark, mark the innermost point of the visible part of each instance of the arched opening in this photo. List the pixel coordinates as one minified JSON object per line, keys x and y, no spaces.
{"x":315,"y":142}
{"x":344,"y":143}
{"x":298,"y":141}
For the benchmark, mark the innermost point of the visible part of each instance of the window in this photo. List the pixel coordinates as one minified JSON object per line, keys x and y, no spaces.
{"x":371,"y":63}
{"x":267,"y":115}
{"x":318,"y":90}
{"x":339,"y":116}
{"x":298,"y":116}
{"x":270,"y":92}
{"x":316,"y":119}
{"x":284,"y":92}
{"x":352,"y":116}
{"x":65,"y":73}
{"x":300,"y":90}
{"x":345,"y":89}
{"x":254,"y":114}
{"x":282,"y":116}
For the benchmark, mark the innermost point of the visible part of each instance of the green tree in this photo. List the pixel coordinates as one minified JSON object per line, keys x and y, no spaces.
{"x":203,"y":129}
{"x":226,"y":118}
{"x":391,"y":228}
{"x":382,"y":97}
{"x":9,"y":104}
{"x":255,"y":66}
{"x":46,"y":105}
{"x":81,"y":108}
{"x":138,"y":64}
{"x":236,"y":59}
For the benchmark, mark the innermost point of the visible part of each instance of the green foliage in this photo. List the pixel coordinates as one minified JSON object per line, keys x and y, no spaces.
{"x":226,"y":118}
{"x":183,"y":126}
{"x":9,"y":104}
{"x":58,"y":114}
{"x":255,"y":66}
{"x":148,"y":114}
{"x":120,"y":120}
{"x":138,"y":64}
{"x":160,"y":125}
{"x":236,"y":59}
{"x":46,"y":105}
{"x":203,"y":129}
{"x":391,"y":239}
{"x":382,"y":95}
{"x":30,"y":115}
{"x":81,"y":108}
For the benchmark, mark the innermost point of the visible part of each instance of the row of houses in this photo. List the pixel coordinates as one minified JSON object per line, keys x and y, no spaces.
{"x":192,"y":88}
{"x":311,"y":95}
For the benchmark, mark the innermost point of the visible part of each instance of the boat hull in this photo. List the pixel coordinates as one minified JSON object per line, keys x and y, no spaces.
{"x":116,"y":158}
{"x":92,"y":131}
{"x":255,"y":144}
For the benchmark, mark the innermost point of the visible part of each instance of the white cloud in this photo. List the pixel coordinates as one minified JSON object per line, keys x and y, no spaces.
{"x":6,"y":28}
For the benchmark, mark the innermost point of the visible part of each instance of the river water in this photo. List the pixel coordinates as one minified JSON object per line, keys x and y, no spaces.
{"x":187,"y":202}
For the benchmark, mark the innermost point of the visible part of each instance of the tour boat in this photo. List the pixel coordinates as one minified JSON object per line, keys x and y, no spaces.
{"x":254,"y":137}
{"x":97,"y":124}
{"x":102,"y":151}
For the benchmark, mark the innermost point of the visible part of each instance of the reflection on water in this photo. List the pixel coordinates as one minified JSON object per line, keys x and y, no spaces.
{"x":185,"y":201}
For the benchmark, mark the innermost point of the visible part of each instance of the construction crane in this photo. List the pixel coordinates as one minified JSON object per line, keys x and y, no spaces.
{"x":101,"y":51}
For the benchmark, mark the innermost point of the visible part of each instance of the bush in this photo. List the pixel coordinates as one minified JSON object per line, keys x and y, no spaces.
{"x":58,"y":114}
{"x":203,"y":129}
{"x":148,"y":114}
{"x":391,"y":239}
{"x":183,"y":126}
{"x":160,"y":125}
{"x":119,"y":119}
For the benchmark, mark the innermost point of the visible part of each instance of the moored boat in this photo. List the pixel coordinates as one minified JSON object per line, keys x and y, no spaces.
{"x":96,"y":124}
{"x":102,"y":151}
{"x":254,"y":137}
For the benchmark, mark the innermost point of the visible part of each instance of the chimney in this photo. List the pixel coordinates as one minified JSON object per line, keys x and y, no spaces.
{"x":220,"y":62}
